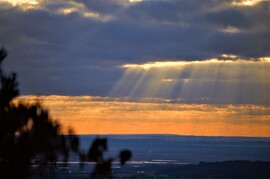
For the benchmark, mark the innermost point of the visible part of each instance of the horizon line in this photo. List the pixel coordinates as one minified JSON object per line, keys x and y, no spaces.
{"x":180,"y":135}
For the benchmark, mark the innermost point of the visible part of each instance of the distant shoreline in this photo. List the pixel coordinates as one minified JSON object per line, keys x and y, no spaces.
{"x":220,"y":169}
{"x":169,"y":135}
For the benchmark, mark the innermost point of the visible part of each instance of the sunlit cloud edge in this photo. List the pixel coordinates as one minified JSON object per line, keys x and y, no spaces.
{"x":224,"y":58}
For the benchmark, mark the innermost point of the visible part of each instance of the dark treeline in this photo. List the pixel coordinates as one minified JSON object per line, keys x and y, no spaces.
{"x":29,"y":135}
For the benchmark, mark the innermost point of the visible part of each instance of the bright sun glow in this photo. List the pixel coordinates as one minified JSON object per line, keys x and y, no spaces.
{"x":266,"y":59}
{"x":24,"y":4}
{"x":229,"y":56}
{"x":135,"y":1}
{"x":224,"y":58}
{"x":230,"y":30}
{"x":246,"y":2}
{"x":156,"y":64}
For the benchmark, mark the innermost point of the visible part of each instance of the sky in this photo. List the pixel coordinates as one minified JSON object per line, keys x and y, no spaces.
{"x":186,"y":67}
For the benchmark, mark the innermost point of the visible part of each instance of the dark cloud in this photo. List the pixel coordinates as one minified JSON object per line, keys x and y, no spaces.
{"x":75,"y":54}
{"x":228,"y":17}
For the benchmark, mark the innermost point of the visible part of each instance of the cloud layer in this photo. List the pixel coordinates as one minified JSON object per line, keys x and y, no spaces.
{"x":103,"y":115}
{"x":76,"y":47}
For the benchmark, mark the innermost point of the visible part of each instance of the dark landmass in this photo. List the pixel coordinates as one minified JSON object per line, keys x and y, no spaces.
{"x":225,"y":169}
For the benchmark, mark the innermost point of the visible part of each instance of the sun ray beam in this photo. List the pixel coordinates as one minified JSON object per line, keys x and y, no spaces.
{"x":227,"y":79}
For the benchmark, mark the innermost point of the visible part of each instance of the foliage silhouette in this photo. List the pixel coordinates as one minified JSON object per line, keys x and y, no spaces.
{"x":29,"y":135}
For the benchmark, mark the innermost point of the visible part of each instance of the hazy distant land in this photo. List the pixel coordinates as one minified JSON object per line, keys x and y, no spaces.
{"x":172,"y":156}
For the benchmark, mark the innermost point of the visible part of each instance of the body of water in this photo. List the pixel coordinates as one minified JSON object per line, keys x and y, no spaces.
{"x":166,"y":156}
{"x":185,"y":149}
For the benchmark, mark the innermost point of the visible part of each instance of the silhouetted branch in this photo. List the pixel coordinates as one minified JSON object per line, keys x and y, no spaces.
{"x":27,"y":133}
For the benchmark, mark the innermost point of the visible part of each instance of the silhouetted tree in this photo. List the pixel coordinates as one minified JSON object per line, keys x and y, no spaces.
{"x":27,"y":133}
{"x":103,"y":168}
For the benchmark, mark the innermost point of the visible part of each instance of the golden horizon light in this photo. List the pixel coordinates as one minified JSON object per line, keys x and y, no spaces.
{"x":103,"y":115}
{"x":24,"y":4}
